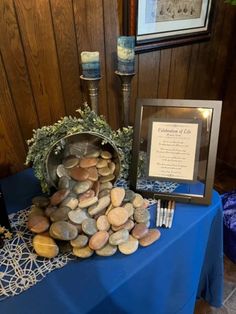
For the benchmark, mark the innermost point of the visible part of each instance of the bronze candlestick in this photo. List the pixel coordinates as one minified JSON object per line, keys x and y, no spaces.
{"x":125,"y":79}
{"x":92,"y":84}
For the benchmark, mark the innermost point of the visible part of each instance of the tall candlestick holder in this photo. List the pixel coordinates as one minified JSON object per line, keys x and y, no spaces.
{"x":92,"y":84}
{"x":125,"y":79}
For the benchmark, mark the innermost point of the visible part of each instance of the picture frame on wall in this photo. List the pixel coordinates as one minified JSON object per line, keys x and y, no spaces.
{"x":160,"y":24}
{"x":174,"y":149}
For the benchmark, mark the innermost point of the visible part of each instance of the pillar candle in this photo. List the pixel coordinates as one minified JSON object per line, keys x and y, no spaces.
{"x":90,"y":64}
{"x":125,"y":53}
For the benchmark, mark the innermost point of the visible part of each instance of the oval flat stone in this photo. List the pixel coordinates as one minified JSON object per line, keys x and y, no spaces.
{"x":152,"y":236}
{"x":102,"y":163}
{"x":61,"y":171}
{"x":104,"y":193}
{"x":63,"y":230}
{"x":103,"y":223}
{"x":59,"y":196}
{"x":79,"y":174}
{"x":49,"y":210}
{"x":71,"y":202}
{"x":38,"y":224}
{"x":129,"y":247}
{"x":104,"y":171}
{"x":93,"y":153}
{"x":119,"y":237}
{"x":105,"y":154}
{"x":129,"y":196}
{"x":84,"y":252}
{"x":96,"y":188}
{"x":130,"y":209}
{"x":88,"y":194}
{"x":89,"y":226}
{"x":139,"y":231}
{"x":88,"y":202}
{"x":82,"y":187}
{"x":93,"y":174}
{"x":70,"y":162}
{"x":80,"y":241}
{"x":41,"y":201}
{"x":138,"y":201}
{"x":88,"y":162}
{"x":110,"y":207}
{"x":141,"y":215}
{"x":112,"y":166}
{"x":117,"y":196}
{"x":45,"y":246}
{"x":78,"y":215}
{"x":107,"y":250}
{"x":102,"y":203}
{"x":106,"y":186}
{"x":117,"y":216}
{"x":98,"y":240}
{"x":35,"y":211}
{"x":64,"y":183}
{"x":108,"y":178}
{"x":60,"y":214}
{"x":128,"y":225}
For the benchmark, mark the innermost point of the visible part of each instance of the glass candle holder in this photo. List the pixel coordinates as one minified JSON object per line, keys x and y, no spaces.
{"x":125,"y":54}
{"x":90,"y":64}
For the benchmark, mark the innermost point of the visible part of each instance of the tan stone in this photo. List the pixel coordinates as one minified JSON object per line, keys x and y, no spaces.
{"x":79,"y":174}
{"x":107,"y":250}
{"x":93,"y":174}
{"x":117,"y":216}
{"x":128,"y":225}
{"x":88,"y":202}
{"x":104,"y":171}
{"x":129,"y":247}
{"x":119,"y":237}
{"x":98,"y":240}
{"x":112,"y":167}
{"x":88,"y":162}
{"x":103,"y":223}
{"x":38,"y":224}
{"x":117,"y":196}
{"x":108,"y":178}
{"x":152,"y":236}
{"x":106,"y":154}
{"x":84,"y":252}
{"x":138,"y":201}
{"x":101,"y":163}
{"x":45,"y":246}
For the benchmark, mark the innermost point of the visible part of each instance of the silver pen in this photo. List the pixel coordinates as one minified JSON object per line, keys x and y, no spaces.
{"x":172,"y":213}
{"x":158,"y":212}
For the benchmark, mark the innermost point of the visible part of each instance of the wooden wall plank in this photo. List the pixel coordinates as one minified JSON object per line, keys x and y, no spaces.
{"x":164,"y":73}
{"x":64,"y":28}
{"x":12,"y":152}
{"x":89,"y":21}
{"x":37,"y":34}
{"x":13,"y":56}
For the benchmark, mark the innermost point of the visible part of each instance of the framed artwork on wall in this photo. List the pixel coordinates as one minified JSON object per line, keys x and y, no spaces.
{"x":161,"y":24}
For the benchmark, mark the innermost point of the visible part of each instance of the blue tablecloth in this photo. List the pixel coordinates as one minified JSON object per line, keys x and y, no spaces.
{"x":164,"y":278}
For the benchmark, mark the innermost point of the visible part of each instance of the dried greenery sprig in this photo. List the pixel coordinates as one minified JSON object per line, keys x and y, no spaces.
{"x":43,"y":139}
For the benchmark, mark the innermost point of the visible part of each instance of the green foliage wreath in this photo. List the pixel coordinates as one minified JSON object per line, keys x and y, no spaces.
{"x":45,"y":137}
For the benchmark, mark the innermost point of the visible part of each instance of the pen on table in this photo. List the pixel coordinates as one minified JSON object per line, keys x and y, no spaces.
{"x":164,"y":213}
{"x":172,"y":213}
{"x":158,"y":212}
{"x":161,"y":214}
{"x":167,"y":213}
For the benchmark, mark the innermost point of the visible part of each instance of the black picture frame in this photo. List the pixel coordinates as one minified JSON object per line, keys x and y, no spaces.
{"x":160,"y":40}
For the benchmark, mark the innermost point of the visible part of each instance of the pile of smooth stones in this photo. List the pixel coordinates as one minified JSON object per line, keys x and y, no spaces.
{"x":88,"y":214}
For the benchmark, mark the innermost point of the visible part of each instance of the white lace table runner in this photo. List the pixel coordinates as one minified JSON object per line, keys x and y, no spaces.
{"x":21,"y":268}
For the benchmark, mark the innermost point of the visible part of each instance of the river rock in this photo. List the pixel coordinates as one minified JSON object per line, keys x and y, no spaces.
{"x":129,"y":196}
{"x":117,"y":216}
{"x":64,"y":183}
{"x":59,"y":196}
{"x":38,"y":224}
{"x":88,"y":162}
{"x":79,"y":174}
{"x":96,"y":188}
{"x":129,"y":247}
{"x":93,"y":153}
{"x":103,"y":223}
{"x":41,"y":201}
{"x":130,"y":209}
{"x":98,"y":240}
{"x":119,"y":237}
{"x":105,"y":154}
{"x":108,"y":178}
{"x":102,"y":204}
{"x":128,"y":225}
{"x":140,"y":230}
{"x":106,"y":186}
{"x":138,"y":200}
{"x":70,"y":162}
{"x":88,"y":202}
{"x":89,"y":226}
{"x":78,"y":215}
{"x":80,"y":241}
{"x":93,"y":174}
{"x":88,"y":194}
{"x":112,"y":166}
{"x":141,"y":215}
{"x":45,"y":246}
{"x":35,"y":211}
{"x":104,"y":193}
{"x":102,"y":163}
{"x":104,"y":171}
{"x":71,"y":202}
{"x":110,"y":207}
{"x":117,"y":196}
{"x":82,"y":187}
{"x":61,"y":171}
{"x":49,"y":210}
{"x":84,"y":252}
{"x":60,"y":214}
{"x":152,"y":236}
{"x":63,"y":230}
{"x":107,"y":250}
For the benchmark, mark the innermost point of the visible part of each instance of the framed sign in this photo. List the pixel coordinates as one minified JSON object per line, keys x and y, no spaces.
{"x":174,"y":149}
{"x":160,"y":23}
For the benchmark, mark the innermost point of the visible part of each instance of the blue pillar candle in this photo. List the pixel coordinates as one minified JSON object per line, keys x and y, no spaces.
{"x":90,"y":64}
{"x":125,"y":53}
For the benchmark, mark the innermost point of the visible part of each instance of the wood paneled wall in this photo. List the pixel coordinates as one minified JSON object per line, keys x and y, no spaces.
{"x":40,"y":46}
